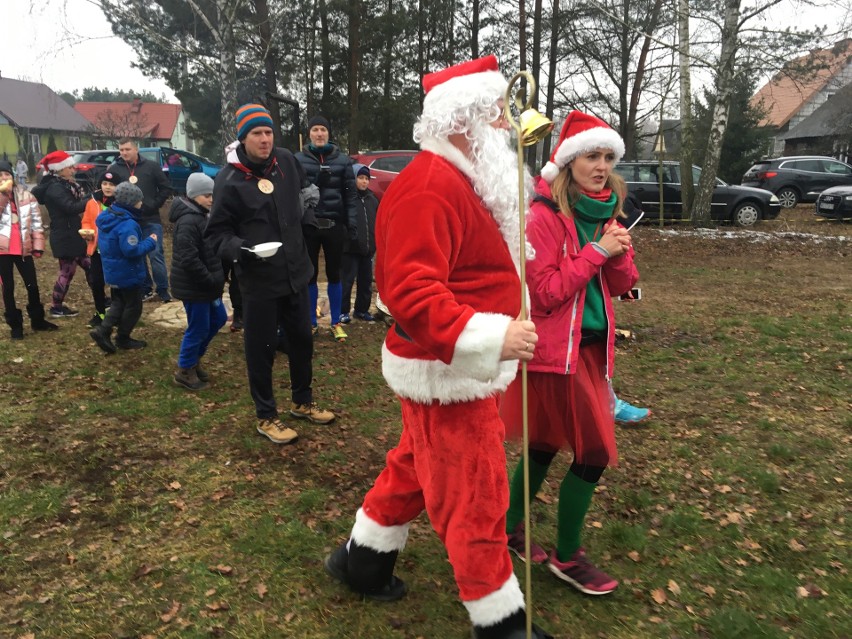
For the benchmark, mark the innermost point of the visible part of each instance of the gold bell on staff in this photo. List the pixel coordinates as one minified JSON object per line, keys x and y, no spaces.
{"x":534,"y":127}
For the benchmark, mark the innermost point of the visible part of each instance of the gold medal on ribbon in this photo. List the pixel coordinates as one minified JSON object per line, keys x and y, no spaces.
{"x":265,"y":186}
{"x":133,"y":179}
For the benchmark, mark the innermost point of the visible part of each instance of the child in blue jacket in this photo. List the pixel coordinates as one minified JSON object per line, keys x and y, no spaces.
{"x":123,"y":251}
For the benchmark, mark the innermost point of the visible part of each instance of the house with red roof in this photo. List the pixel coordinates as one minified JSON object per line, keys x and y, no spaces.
{"x":800,"y":88}
{"x":150,"y":123}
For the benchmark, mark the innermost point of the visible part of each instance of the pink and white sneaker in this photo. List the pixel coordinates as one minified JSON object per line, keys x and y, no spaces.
{"x":538,"y":555}
{"x":582,"y":574}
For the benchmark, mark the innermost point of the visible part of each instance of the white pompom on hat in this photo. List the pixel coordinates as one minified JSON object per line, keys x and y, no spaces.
{"x":580,"y":134}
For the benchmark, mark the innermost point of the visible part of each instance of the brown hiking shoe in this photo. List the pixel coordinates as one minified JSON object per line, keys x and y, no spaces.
{"x":312,"y":412}
{"x":275,"y":430}
{"x":188,"y":378}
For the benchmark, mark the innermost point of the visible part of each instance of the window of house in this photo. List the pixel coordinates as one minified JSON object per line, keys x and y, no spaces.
{"x":73,"y":143}
{"x":182,"y":128}
{"x":35,"y":143}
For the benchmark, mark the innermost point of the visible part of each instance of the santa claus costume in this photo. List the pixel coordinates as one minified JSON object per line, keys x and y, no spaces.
{"x":447,"y":239}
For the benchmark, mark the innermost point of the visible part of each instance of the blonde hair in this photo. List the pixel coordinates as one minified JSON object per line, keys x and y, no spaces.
{"x":566,"y":193}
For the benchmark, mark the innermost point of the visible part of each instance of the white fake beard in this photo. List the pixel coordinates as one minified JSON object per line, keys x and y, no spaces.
{"x":495,"y":179}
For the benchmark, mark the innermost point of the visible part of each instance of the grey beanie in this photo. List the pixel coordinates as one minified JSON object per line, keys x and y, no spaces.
{"x":198,"y":184}
{"x":128,"y":194}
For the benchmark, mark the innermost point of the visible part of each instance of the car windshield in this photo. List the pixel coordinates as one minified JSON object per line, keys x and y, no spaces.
{"x":80,"y":157}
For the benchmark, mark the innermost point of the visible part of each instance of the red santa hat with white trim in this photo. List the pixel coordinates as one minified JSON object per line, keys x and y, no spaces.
{"x":452,"y":92}
{"x":56,"y":161}
{"x":580,"y":134}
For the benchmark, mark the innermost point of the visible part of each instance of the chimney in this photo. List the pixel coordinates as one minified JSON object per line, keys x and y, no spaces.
{"x":136,"y":107}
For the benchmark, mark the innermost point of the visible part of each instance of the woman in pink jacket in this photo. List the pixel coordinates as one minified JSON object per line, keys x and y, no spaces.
{"x":582,"y":258}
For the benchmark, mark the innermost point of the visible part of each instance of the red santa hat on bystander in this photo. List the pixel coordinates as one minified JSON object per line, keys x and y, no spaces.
{"x":580,"y":134}
{"x":56,"y":161}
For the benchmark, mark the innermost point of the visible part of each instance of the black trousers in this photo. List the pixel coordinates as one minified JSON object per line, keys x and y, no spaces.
{"x":261,"y":318}
{"x":332,"y":241}
{"x":97,"y":283}
{"x":233,"y":287}
{"x":26,"y":267}
{"x":357,"y":268}
{"x":124,"y":311}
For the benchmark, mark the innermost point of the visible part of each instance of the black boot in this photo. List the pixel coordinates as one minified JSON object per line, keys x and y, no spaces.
{"x":15,"y":320}
{"x":101,"y":335}
{"x":37,"y":321}
{"x":367,"y":572}
{"x":512,"y":627}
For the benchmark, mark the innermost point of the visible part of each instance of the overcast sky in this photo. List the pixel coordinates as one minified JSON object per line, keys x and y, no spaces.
{"x":68,"y":44}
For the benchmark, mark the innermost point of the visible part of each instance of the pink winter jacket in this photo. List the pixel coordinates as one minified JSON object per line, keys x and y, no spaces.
{"x":557,"y":279}
{"x":29,"y":214}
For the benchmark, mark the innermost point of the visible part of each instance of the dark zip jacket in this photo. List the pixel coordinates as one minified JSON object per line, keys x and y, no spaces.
{"x":65,"y":204}
{"x":196,"y":274}
{"x":155,"y":185}
{"x":336,"y":184}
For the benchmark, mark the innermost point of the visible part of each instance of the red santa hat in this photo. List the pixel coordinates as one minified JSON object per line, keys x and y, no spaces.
{"x":580,"y":134}
{"x":452,"y":92}
{"x":56,"y":161}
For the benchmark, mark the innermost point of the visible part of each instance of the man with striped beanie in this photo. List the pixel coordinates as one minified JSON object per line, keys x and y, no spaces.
{"x":257,"y":200}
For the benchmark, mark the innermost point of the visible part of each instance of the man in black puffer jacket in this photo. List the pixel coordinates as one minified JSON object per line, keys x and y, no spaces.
{"x":336,"y":214}
{"x":156,"y":189}
{"x":197,"y":279}
{"x":256,"y":200}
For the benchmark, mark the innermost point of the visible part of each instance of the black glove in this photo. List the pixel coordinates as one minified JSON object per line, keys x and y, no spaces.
{"x":247,"y":256}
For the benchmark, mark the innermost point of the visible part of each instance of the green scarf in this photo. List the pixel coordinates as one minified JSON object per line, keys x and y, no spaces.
{"x":590,"y":216}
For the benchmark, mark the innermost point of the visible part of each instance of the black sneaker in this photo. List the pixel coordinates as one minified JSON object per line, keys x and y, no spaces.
{"x":365,"y":317}
{"x":165,"y":299}
{"x":102,"y":340}
{"x":147,"y":297}
{"x":96,"y":320}
{"x":130,"y":344}
{"x":63,"y":311}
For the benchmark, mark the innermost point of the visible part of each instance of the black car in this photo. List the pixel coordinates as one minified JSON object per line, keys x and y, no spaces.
{"x":835,"y":203}
{"x":91,"y":165}
{"x":798,"y":178}
{"x":739,"y":205}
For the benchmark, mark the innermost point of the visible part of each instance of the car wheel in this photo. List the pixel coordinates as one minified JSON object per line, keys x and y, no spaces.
{"x":788,"y":198}
{"x":746,"y":214}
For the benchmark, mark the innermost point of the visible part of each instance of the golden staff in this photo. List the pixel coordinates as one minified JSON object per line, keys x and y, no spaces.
{"x":531,"y":127}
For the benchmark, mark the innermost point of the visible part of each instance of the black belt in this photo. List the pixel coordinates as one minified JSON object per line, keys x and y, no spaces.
{"x":325,"y":223}
{"x":401,"y":333}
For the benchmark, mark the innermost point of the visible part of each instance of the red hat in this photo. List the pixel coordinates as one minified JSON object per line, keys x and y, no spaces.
{"x":452,"y":92}
{"x":57,"y":161}
{"x":580,"y":134}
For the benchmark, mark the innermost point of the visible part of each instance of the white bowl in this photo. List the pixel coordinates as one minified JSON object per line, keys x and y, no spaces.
{"x":267,"y":249}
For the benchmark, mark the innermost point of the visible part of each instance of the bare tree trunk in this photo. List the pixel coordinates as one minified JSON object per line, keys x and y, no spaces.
{"x":522,"y":33}
{"x":325,"y":54}
{"x":633,"y":108}
{"x":474,"y":31}
{"x":719,"y":121}
{"x":536,"y":73}
{"x":354,"y":79}
{"x":270,"y":64}
{"x":687,"y":187}
{"x":387,"y":75}
{"x":227,"y":74}
{"x":551,"y":75}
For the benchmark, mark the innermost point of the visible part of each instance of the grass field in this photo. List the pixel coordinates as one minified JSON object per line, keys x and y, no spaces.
{"x":132,"y":508}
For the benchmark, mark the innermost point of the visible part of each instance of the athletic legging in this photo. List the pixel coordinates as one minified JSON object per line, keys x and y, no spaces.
{"x":585,"y":472}
{"x":67,"y":268}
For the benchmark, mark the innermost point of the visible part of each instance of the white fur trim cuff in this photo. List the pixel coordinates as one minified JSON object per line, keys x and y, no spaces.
{"x":496,"y":606}
{"x":478,"y":347}
{"x":369,"y":533}
{"x":58,"y":166}
{"x":429,"y":380}
{"x":595,"y":138}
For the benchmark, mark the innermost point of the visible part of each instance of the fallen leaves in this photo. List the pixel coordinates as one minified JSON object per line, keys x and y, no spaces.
{"x":171,"y":613}
{"x":225,"y":571}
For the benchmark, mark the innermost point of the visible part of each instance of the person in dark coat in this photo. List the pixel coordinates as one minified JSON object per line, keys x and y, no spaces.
{"x":197,"y":279}
{"x":65,"y":202}
{"x":358,"y":258}
{"x":331,"y":171}
{"x":123,"y":249}
{"x":257,"y":200}
{"x":156,"y":189}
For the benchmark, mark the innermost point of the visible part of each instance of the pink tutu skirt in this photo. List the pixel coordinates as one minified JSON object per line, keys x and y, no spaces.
{"x":567,"y":410}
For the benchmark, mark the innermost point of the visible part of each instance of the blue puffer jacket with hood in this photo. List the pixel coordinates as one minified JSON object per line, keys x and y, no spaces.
{"x":122,"y":246}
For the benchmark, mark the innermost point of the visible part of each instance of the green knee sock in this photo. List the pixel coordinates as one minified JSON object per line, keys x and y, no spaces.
{"x":575,"y":496}
{"x":516,"y":491}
